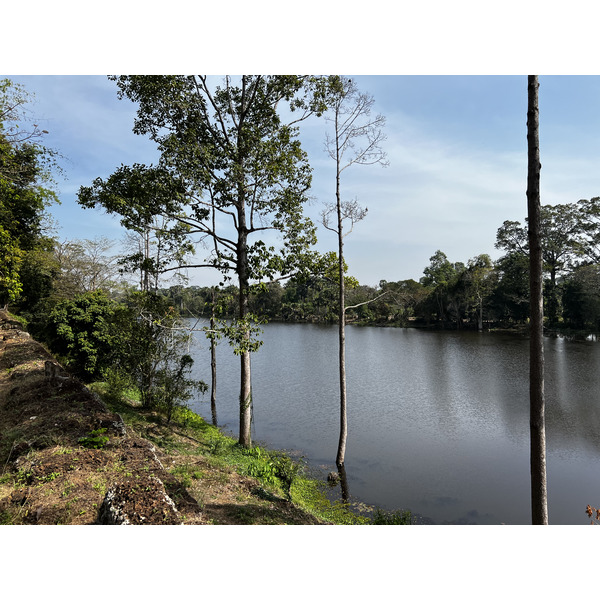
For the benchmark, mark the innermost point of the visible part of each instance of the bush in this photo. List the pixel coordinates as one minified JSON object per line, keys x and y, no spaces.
{"x":81,"y":332}
{"x":399,"y":517}
{"x":116,"y":383}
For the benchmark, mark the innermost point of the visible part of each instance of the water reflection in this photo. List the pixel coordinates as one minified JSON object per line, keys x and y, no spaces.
{"x":438,"y":421}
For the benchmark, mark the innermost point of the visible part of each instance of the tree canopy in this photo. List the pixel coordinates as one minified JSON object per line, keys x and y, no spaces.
{"x":231,"y":175}
{"x":25,"y":187}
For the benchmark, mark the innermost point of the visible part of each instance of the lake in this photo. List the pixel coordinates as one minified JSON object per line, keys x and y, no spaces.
{"x":438,"y":420}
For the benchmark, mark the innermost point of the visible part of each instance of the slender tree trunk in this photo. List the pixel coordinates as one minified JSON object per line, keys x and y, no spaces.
{"x":245,"y":438}
{"x":146,"y":285}
{"x":213,"y":365}
{"x":341,"y":453}
{"x":539,"y":500}
{"x":344,"y":483}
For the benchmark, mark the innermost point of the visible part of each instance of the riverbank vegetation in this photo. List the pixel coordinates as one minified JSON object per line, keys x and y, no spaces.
{"x":63,"y":448}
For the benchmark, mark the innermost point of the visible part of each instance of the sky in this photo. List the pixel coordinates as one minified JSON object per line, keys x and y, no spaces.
{"x":456,"y":146}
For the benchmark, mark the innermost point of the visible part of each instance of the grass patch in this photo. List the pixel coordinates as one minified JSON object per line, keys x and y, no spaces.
{"x":399,"y":517}
{"x":206,"y":462}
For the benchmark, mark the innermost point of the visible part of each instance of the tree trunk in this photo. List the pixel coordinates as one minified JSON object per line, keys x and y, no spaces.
{"x":213,"y":364}
{"x":245,"y":438}
{"x":539,"y":500}
{"x":344,"y":483}
{"x":341,"y":453}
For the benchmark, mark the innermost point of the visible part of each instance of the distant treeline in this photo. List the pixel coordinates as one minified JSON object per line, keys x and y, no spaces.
{"x":480,"y":294}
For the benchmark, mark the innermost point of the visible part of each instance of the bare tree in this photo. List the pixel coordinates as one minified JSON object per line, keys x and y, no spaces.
{"x":85,"y":266}
{"x":356,"y":140}
{"x":151,"y":249}
{"x":537,"y":426}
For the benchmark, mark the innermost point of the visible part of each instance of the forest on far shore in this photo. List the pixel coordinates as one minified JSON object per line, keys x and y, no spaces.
{"x":481,"y":294}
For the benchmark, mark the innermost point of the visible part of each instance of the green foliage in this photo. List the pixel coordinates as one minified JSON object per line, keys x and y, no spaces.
{"x":95,"y":439}
{"x":25,"y":192}
{"x":273,"y":468}
{"x":399,"y":517}
{"x":243,"y":333}
{"x":230,"y":169}
{"x":82,"y":332}
{"x":12,"y":257}
{"x":152,"y":351}
{"x":137,"y":343}
{"x":308,"y":493}
{"x":50,"y":477}
{"x":581,"y":298}
{"x":211,"y":158}
{"x":116,"y":383}
{"x":172,"y":387}
{"x":218,"y":447}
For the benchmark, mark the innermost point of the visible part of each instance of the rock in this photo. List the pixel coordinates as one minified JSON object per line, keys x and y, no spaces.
{"x":333,"y":477}
{"x":113,"y":423}
{"x":138,"y":502}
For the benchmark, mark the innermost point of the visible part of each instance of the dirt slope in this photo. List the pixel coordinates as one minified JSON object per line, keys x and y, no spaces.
{"x":67,"y":459}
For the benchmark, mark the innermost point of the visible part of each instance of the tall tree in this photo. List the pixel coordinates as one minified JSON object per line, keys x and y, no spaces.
{"x":26,"y":167}
{"x":537,"y":425}
{"x":563,"y":230}
{"x":356,"y":140}
{"x":236,"y":172}
{"x":441,"y":278}
{"x":478,"y":277}
{"x":85,"y":266}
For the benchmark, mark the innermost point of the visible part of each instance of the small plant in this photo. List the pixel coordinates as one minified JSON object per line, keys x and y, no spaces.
{"x":23,"y":477}
{"x":116,"y":383}
{"x":593,"y":514}
{"x":100,"y":487}
{"x":50,"y":477}
{"x":287,"y":471}
{"x":272,"y":468}
{"x":399,"y":517}
{"x":63,"y":450}
{"x":218,"y":447}
{"x":189,"y":418}
{"x":95,"y":439}
{"x":263,"y":471}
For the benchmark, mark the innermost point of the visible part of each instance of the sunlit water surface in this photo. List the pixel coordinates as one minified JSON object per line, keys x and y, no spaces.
{"x":438,"y":421}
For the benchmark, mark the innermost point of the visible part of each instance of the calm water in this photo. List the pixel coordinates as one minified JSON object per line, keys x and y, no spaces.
{"x":438,"y":421}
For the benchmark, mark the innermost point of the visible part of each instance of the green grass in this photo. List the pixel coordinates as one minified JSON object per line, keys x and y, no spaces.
{"x":276,"y":472}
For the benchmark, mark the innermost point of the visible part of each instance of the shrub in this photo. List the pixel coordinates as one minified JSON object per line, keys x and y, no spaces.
{"x":399,"y":517}
{"x":95,"y":439}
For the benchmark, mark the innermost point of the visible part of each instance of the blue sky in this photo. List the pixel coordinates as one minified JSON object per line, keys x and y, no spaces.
{"x":456,"y":147}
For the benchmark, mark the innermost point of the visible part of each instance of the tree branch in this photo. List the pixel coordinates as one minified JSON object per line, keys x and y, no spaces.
{"x":366,"y":302}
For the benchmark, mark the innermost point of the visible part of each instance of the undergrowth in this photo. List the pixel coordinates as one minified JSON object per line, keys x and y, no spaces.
{"x":276,"y":472}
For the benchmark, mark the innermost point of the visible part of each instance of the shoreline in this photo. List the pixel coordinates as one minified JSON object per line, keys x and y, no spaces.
{"x":73,"y":454}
